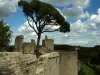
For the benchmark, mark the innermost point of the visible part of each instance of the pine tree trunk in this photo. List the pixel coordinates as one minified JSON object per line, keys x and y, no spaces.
{"x":37,"y":46}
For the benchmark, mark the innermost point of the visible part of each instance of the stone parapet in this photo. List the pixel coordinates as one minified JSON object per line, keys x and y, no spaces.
{"x":28,"y":64}
{"x":17,"y":63}
{"x":48,"y":64}
{"x":54,"y":63}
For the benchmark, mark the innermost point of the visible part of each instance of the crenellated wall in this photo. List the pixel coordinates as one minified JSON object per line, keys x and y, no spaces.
{"x":27,"y":64}
{"x":19,"y":64}
{"x":48,"y":64}
{"x":24,"y":62}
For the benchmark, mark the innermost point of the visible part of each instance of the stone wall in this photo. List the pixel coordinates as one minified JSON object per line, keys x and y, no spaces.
{"x":27,"y":64}
{"x":24,"y":47}
{"x":19,"y":64}
{"x":24,"y":62}
{"x":48,"y":43}
{"x":10,"y":61}
{"x":18,"y":43}
{"x":28,"y":48}
{"x":68,"y":63}
{"x":49,"y":63}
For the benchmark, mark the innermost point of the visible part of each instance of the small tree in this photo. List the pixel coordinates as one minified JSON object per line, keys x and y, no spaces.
{"x":43,"y":14}
{"x":5,"y":34}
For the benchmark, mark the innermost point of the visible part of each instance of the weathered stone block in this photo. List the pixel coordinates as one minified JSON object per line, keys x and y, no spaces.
{"x":28,"y":48}
{"x":44,"y":50}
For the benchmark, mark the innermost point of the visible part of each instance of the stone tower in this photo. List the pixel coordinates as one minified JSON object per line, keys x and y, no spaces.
{"x":48,"y":43}
{"x":19,"y":43}
{"x":68,"y":63}
{"x":29,"y":48}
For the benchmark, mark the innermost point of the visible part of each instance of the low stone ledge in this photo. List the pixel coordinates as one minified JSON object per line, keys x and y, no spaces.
{"x":2,"y":54}
{"x":50,"y":55}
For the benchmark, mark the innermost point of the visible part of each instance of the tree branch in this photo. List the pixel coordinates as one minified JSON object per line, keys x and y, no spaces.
{"x":31,"y":25}
{"x":35,"y":23}
{"x":43,"y":25}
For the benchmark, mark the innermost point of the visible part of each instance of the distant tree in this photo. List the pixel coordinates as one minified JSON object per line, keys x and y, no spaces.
{"x":5,"y":34}
{"x":97,"y":47}
{"x":43,"y":14}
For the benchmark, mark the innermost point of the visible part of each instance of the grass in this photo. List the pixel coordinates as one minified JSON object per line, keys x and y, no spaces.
{"x":98,"y":67}
{"x":88,"y":70}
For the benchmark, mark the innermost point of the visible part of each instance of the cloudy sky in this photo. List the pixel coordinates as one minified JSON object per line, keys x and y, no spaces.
{"x":83,"y":16}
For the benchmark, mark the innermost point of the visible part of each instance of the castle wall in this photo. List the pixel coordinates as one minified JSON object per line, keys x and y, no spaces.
{"x":50,"y":63}
{"x":27,"y":64}
{"x":28,"y":48}
{"x":44,"y":50}
{"x":68,"y":63}
{"x":18,"y":43}
{"x":48,"y":43}
{"x":19,"y":64}
{"x":24,"y":62}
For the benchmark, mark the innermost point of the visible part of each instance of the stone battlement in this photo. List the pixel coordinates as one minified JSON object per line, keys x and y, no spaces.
{"x":23,"y":61}
{"x":27,"y":64}
{"x":29,"y":48}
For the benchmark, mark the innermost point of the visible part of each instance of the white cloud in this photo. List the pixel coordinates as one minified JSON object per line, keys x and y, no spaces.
{"x":82,"y":3}
{"x":75,"y":12}
{"x":94,"y":33}
{"x":78,"y":26}
{"x":90,"y":38}
{"x":51,"y":27}
{"x":58,"y":2}
{"x":94,"y":19}
{"x":6,"y":7}
{"x":98,"y":11}
{"x":82,"y":42}
{"x":26,"y":29}
{"x":85,"y":33}
{"x":91,"y":23}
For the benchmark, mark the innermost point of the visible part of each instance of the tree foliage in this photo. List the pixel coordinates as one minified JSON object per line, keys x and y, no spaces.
{"x":43,"y":14}
{"x":5,"y":34}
